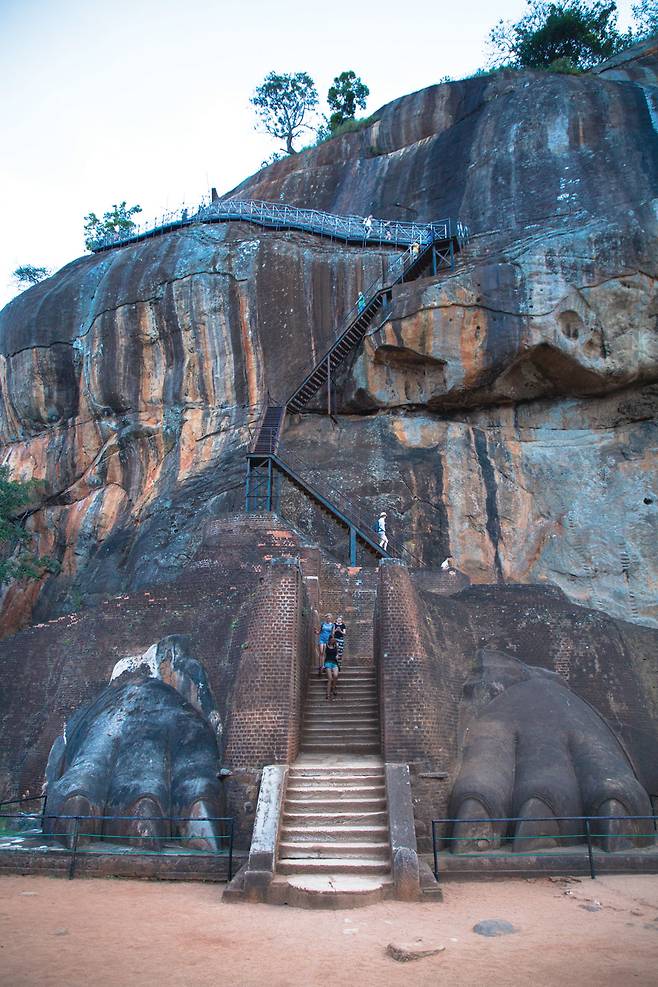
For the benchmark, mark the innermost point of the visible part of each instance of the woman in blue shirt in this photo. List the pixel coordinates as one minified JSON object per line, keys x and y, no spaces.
{"x":325,"y":632}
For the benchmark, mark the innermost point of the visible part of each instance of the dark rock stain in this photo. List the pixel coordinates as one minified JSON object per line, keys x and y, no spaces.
{"x":493,"y":518}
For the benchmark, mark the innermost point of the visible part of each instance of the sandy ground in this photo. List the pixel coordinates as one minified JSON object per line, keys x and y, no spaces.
{"x":111,"y":932}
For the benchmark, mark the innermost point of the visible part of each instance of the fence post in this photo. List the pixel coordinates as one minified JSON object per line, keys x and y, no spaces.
{"x":230,"y":851}
{"x":352,"y":546}
{"x":589,"y":850}
{"x":76,"y":827}
{"x":435,"y":851}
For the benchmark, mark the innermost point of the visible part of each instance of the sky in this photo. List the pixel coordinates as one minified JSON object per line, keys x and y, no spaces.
{"x":148,"y":100}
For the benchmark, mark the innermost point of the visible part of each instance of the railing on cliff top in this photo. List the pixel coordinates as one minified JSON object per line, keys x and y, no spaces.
{"x":277,"y":215}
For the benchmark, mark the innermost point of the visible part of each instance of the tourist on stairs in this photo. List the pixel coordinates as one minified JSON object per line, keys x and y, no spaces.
{"x":331,"y":667}
{"x":340,"y":631}
{"x":325,"y":632}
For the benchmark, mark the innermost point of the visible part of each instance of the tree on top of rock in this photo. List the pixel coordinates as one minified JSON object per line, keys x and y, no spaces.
{"x":116,"y":223}
{"x":29,"y":274}
{"x":284,"y":103}
{"x":646,"y":18}
{"x":568,"y":34}
{"x":347,"y":94}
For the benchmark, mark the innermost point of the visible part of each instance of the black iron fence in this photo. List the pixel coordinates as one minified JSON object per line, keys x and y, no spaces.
{"x":85,"y":835}
{"x":586,"y":832}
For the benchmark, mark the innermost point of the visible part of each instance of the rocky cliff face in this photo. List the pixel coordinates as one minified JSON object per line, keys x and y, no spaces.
{"x":506,"y":412}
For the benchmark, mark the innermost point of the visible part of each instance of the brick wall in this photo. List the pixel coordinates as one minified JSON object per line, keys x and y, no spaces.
{"x":266,"y":705}
{"x":419,"y":696}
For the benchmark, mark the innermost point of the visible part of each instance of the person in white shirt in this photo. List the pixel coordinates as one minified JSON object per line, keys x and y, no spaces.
{"x":381,"y":531}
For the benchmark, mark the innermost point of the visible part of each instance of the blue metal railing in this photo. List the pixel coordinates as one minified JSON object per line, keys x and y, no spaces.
{"x":277,"y":215}
{"x":68,"y":840}
{"x":586,"y":827}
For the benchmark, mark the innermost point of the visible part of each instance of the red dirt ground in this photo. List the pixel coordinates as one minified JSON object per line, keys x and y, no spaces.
{"x":106,"y":932}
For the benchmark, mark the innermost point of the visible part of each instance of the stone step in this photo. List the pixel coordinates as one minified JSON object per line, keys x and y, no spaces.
{"x":375,"y":834}
{"x":338,"y":791}
{"x":340,"y":728}
{"x":348,"y":685}
{"x":340,"y":722}
{"x":302,"y":781}
{"x":332,"y":804}
{"x":342,"y":706}
{"x":318,"y":700}
{"x":357,"y":747}
{"x":329,"y":737}
{"x":351,"y":685}
{"x":321,"y":849}
{"x":347,"y":694}
{"x":330,"y":891}
{"x":360,"y":681}
{"x":336,"y":865}
{"x":378,"y":817}
{"x":360,"y":672}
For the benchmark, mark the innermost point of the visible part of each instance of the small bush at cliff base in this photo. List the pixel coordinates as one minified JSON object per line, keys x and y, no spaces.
{"x":117,"y":222}
{"x":17,"y":561}
{"x":577,"y":33}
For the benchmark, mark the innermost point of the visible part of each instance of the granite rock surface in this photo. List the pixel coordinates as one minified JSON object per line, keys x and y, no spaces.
{"x":506,"y":411}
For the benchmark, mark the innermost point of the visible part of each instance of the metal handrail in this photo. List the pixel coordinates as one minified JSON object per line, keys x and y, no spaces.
{"x":74,"y":848}
{"x":394,"y":550}
{"x":381,"y":284}
{"x":277,"y":215}
{"x":586,"y":832}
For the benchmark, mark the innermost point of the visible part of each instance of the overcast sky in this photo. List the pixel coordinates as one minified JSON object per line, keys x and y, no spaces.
{"x":148,"y":100}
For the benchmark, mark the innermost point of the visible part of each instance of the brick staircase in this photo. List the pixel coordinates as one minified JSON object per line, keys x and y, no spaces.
{"x":334,"y":849}
{"x":350,"y":725}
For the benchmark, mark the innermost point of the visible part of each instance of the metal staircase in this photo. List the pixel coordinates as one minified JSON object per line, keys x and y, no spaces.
{"x":264,"y":475}
{"x":373,"y":302}
{"x":434,"y":249}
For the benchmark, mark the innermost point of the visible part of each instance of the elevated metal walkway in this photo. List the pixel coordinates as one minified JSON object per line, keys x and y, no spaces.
{"x":279,"y":216}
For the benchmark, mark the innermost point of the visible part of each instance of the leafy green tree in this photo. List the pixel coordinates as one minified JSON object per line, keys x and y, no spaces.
{"x":116,"y":222}
{"x":284,"y":103}
{"x":646,"y":18}
{"x":17,"y":560}
{"x":28,"y":274}
{"x":575,"y":33}
{"x":347,"y":94}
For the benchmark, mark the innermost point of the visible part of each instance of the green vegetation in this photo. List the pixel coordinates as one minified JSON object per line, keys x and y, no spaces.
{"x":347,"y":94}
{"x":17,"y":560}
{"x":116,"y":222}
{"x":283,"y":105}
{"x":567,"y":35}
{"x":347,"y":127}
{"x":646,"y":19}
{"x":28,"y":274}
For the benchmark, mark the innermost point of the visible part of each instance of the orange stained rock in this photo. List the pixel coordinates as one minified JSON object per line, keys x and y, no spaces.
{"x":250,"y":358}
{"x":414,"y":435}
{"x":472,"y":344}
